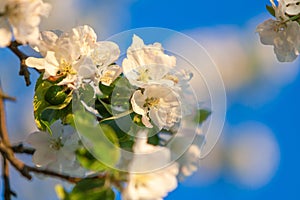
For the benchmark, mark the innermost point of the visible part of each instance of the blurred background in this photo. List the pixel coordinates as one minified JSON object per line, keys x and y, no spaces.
{"x":257,"y":154}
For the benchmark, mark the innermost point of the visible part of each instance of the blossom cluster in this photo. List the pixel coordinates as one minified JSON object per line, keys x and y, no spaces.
{"x":75,"y":67}
{"x":283,"y":32}
{"x":74,"y":60}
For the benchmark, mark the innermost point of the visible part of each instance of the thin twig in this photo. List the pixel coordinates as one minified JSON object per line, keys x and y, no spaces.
{"x":53,"y":174}
{"x":22,"y":57}
{"x":3,"y":129}
{"x":5,"y":175}
{"x":21,"y":149}
{"x":15,"y":162}
{"x":6,"y":97}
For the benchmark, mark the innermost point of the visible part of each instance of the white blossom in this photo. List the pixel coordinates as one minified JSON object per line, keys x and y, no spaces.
{"x":285,"y":37}
{"x":76,"y":56}
{"x":282,"y":33}
{"x":157,"y":103}
{"x":57,"y":151}
{"x":147,"y":64}
{"x":21,"y":18}
{"x":154,"y":185}
{"x":292,"y":7}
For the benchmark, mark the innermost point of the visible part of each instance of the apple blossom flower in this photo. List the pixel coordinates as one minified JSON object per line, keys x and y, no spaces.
{"x":56,"y":151}
{"x":282,"y":33}
{"x":157,"y":103}
{"x":152,"y":185}
{"x":285,"y":37}
{"x":76,"y":56}
{"x":20,"y":19}
{"x":147,"y":64}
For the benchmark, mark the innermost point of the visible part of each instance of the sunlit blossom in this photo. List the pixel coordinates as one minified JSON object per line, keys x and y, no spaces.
{"x":76,"y":56}
{"x":159,"y":104}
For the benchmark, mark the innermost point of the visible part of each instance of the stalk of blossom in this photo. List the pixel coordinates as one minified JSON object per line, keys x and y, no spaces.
{"x":154,"y":185}
{"x":77,"y":56}
{"x":57,"y":151}
{"x":157,"y":103}
{"x":21,"y":18}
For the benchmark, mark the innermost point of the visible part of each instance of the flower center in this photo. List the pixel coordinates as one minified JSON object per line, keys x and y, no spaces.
{"x":56,"y":144}
{"x":66,"y":68}
{"x":151,"y":102}
{"x":141,"y":180}
{"x":144,"y":76}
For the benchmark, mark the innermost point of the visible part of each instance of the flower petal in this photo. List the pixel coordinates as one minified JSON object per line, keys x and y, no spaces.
{"x":43,"y":156}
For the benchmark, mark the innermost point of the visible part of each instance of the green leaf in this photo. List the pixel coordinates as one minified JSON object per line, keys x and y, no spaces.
{"x":104,"y":108}
{"x":100,"y":140}
{"x":271,"y":10}
{"x":88,"y":161}
{"x":87,"y":189}
{"x":154,"y":140}
{"x":55,"y":95}
{"x":41,"y":105}
{"x":87,"y":94}
{"x":122,"y":94}
{"x":92,"y":189}
{"x":203,"y":115}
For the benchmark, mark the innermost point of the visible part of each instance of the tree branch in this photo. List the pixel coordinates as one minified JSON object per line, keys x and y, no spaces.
{"x":22,"y":57}
{"x":5,"y":175}
{"x":21,"y":149}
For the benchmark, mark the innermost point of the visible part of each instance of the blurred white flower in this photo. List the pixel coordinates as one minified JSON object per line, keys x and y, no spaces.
{"x":253,"y":155}
{"x":159,"y":103}
{"x":76,"y":56}
{"x":186,"y":150}
{"x":153,"y":185}
{"x":57,"y":151}
{"x":23,"y":18}
{"x":147,"y":64}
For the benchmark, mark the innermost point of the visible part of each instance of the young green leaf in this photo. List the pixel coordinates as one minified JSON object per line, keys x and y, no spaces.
{"x":271,"y":10}
{"x":100,"y":140}
{"x":203,"y":115}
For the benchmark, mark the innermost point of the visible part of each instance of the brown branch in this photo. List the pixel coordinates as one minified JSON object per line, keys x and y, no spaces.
{"x":3,"y":129}
{"x":21,"y":149}
{"x":53,"y":174}
{"x":5,"y":175}
{"x":15,"y":162}
{"x":22,"y":57}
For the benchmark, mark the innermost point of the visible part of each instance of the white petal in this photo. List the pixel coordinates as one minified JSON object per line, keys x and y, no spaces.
{"x":110,"y":74}
{"x":38,"y":139}
{"x":137,"y":102}
{"x":105,"y":53}
{"x":43,"y":156}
